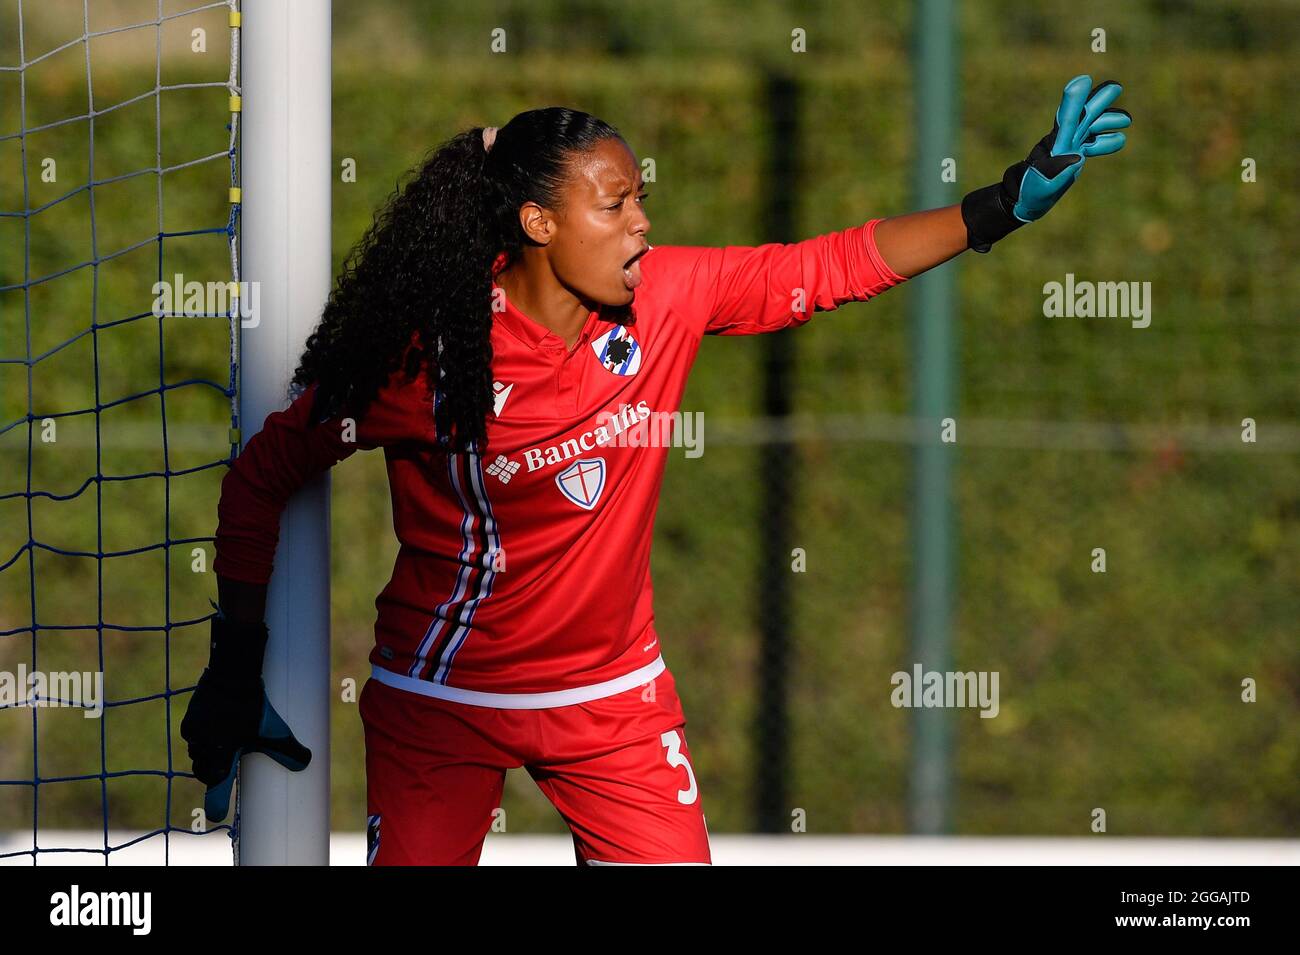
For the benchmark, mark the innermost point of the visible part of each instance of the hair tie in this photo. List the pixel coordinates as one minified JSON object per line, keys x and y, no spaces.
{"x":489,"y":137}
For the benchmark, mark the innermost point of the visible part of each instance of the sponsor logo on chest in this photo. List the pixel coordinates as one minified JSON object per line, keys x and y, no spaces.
{"x":606,"y":432}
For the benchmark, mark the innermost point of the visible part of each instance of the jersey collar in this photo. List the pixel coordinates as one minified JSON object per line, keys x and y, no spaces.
{"x":537,"y":336}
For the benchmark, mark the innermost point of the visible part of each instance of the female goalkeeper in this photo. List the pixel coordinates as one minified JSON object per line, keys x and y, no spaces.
{"x":510,"y":338}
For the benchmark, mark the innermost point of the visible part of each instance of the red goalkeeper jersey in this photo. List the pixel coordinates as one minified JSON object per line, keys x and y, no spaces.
{"x":523,"y":575}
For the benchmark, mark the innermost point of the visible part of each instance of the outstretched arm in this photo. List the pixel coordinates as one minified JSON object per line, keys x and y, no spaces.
{"x":912,"y":243}
{"x":746,"y":290}
{"x":1086,"y":125}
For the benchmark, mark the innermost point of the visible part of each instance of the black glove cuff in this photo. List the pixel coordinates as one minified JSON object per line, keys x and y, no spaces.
{"x":237,"y":650}
{"x":239,"y":689}
{"x":988,"y":216}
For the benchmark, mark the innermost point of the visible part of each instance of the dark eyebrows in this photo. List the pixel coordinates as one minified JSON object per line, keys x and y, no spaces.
{"x":626,"y":189}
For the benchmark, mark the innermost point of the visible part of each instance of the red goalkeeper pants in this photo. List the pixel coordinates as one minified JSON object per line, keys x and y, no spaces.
{"x":617,"y":769}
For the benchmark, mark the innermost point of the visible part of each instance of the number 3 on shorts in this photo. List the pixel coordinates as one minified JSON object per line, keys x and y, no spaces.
{"x":673,"y":741}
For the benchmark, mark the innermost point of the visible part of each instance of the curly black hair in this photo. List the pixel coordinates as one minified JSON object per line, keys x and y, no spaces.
{"x":416,"y":290}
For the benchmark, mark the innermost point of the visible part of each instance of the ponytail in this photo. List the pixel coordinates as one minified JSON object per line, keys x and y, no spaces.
{"x":416,"y":290}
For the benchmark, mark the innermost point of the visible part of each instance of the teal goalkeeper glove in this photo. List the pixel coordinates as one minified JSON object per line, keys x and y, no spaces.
{"x":1085,"y":125}
{"x":229,"y":715}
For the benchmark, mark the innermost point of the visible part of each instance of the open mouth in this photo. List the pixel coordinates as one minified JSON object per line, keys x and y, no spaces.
{"x":632,"y":269}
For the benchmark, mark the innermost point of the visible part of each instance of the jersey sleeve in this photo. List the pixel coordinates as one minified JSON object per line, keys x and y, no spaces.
{"x":746,"y":290}
{"x":290,"y":450}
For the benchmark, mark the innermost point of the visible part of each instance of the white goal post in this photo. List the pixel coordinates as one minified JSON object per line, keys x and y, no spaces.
{"x":285,"y":231}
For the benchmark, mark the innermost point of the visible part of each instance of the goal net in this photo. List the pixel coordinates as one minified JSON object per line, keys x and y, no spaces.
{"x":120,"y":316}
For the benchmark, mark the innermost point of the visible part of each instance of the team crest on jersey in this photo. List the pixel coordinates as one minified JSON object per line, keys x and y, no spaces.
{"x":582,"y":481}
{"x":618,"y":351}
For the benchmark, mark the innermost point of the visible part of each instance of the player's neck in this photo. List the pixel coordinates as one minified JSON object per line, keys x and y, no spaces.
{"x":541,"y":298}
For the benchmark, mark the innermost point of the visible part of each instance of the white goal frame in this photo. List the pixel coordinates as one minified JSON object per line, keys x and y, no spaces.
{"x":285,"y":247}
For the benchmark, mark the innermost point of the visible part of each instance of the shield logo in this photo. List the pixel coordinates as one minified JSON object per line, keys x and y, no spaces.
{"x":617,"y":351}
{"x":582,"y":481}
